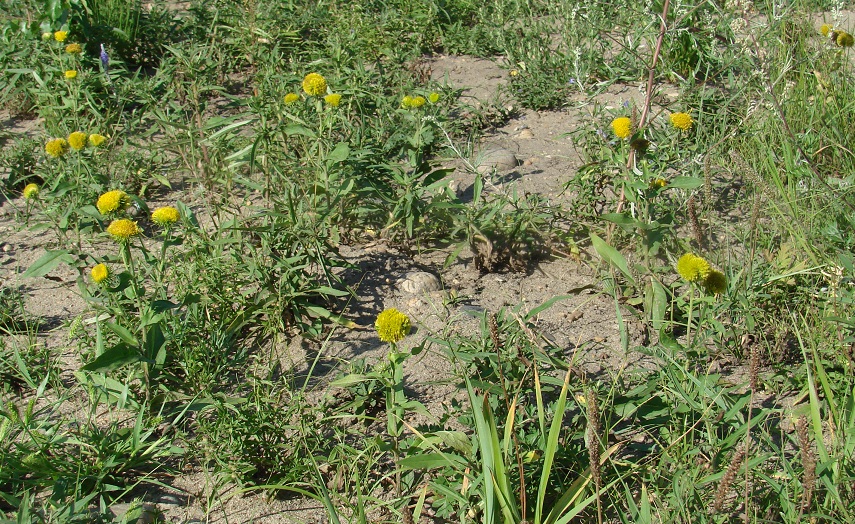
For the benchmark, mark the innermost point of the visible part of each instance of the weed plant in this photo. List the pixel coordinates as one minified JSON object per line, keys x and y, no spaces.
{"x":205,"y":172}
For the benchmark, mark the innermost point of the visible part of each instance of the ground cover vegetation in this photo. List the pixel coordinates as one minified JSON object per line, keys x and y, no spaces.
{"x":720,"y":221}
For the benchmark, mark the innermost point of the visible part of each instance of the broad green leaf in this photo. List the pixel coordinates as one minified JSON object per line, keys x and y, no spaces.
{"x":114,"y":358}
{"x":611,"y":255}
{"x":685,"y":182}
{"x":48,"y":262}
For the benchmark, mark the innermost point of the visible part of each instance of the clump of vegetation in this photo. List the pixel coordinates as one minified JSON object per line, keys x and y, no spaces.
{"x":207,"y":171}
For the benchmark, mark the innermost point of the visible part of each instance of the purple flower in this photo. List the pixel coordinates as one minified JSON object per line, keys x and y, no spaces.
{"x":105,"y":59}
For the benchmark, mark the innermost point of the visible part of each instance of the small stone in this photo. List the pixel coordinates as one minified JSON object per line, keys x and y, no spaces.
{"x":6,"y":248}
{"x":419,"y":282}
{"x":500,"y":159}
{"x":525,"y":134}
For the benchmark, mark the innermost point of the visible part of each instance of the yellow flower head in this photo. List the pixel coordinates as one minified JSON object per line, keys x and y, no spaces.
{"x":123,"y":229}
{"x":825,"y":29}
{"x":74,"y":49}
{"x":418,"y":101}
{"x":290,"y":98}
{"x":100,"y":273}
{"x":60,"y":36}
{"x":658,"y":183}
{"x":333,"y":99}
{"x":31,"y":191}
{"x":77,"y":140}
{"x":96,"y":140}
{"x":844,"y":39}
{"x":693,"y":268}
{"x":314,"y":84}
{"x":56,"y":147}
{"x":682,"y":121}
{"x":164,"y":216}
{"x":112,"y":202}
{"x":715,"y":283}
{"x":622,"y":126}
{"x":392,"y":325}
{"x":407,"y":102}
{"x":71,"y":74}
{"x":433,"y":97}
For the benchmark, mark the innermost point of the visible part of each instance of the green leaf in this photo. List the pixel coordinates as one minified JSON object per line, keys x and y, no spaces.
{"x":123,"y":333}
{"x":431,"y":461}
{"x":114,"y":358}
{"x":352,"y":380}
{"x":48,"y":262}
{"x":611,"y":255}
{"x":338,"y":154}
{"x":685,"y":182}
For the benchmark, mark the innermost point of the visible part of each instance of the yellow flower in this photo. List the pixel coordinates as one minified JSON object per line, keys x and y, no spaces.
{"x":77,"y":140}
{"x":74,"y":49}
{"x":514,"y":72}
{"x":56,"y":147}
{"x":71,"y":74}
{"x":60,"y":36}
{"x":31,"y":191}
{"x":825,"y":29}
{"x":433,"y":97}
{"x":658,"y":183}
{"x":715,"y":283}
{"x":844,"y":39}
{"x":407,"y":102}
{"x":164,"y":216}
{"x":693,"y":268}
{"x":418,"y":101}
{"x":682,"y":121}
{"x":314,"y":84}
{"x":123,"y":229}
{"x":333,"y":99}
{"x":96,"y":140}
{"x":112,"y":202}
{"x":100,"y":273}
{"x":290,"y":98}
{"x":392,"y":325}
{"x":622,"y":126}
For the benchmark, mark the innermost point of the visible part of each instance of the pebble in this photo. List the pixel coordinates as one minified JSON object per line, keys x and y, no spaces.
{"x":501,"y":159}
{"x":525,"y":134}
{"x":419,"y":282}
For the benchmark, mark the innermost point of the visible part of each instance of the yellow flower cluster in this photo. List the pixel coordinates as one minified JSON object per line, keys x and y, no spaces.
{"x":100,"y":273}
{"x":433,"y":97}
{"x":413,"y":102}
{"x":333,"y":99}
{"x":60,"y":36}
{"x":659,"y":183}
{"x":96,"y":140}
{"x":622,"y":127}
{"x":681,"y":121}
{"x":122,"y":230}
{"x":77,"y":140}
{"x":290,"y":98}
{"x":165,"y":216}
{"x":697,"y":270}
{"x":112,"y":202}
{"x":71,"y":74}
{"x":31,"y":191}
{"x":74,"y":49}
{"x":837,"y":36}
{"x":314,"y":84}
{"x":56,"y":147}
{"x":392,"y":325}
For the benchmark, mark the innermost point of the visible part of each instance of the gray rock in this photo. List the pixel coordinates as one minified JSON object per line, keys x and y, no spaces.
{"x":500,"y":159}
{"x":419,"y":282}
